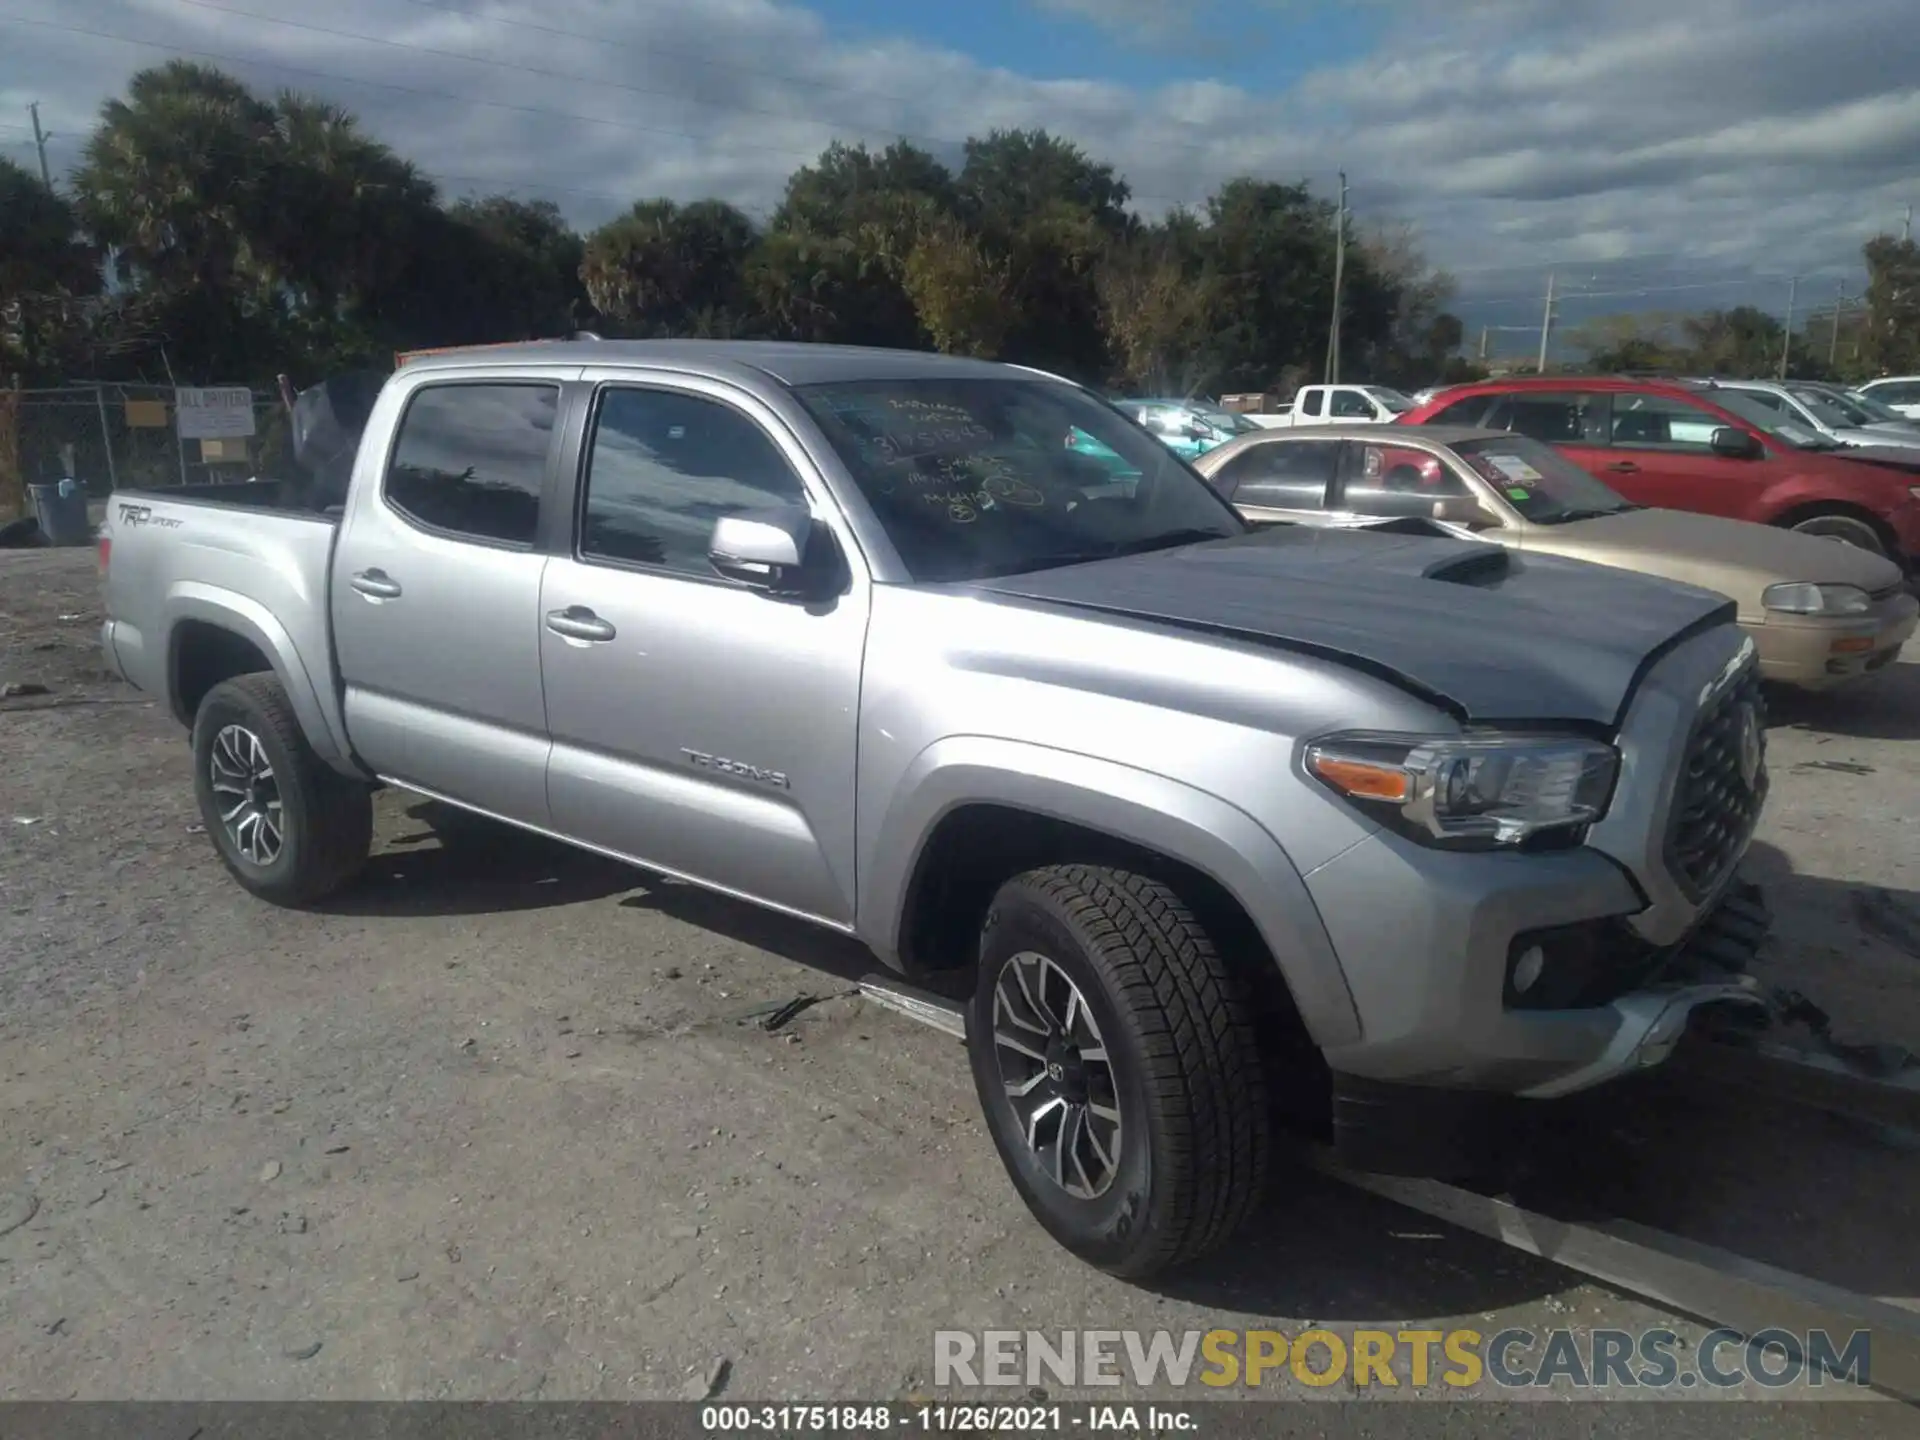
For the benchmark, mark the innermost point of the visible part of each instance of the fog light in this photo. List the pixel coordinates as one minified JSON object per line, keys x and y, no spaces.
{"x":1528,"y":969}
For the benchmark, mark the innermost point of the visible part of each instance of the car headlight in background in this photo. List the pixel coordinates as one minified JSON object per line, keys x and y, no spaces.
{"x":1802,"y":598}
{"x":1470,"y":791}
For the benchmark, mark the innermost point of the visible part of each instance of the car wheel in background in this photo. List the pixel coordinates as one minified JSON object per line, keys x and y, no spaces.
{"x":1855,"y":530}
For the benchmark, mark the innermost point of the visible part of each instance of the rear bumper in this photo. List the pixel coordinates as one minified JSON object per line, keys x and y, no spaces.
{"x":1809,"y":653}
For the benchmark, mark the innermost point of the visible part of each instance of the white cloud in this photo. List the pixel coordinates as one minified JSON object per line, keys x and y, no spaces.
{"x":1661,"y":144}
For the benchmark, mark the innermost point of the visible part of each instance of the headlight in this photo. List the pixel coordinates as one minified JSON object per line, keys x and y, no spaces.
{"x":1473,"y":791}
{"x":1800,"y":598}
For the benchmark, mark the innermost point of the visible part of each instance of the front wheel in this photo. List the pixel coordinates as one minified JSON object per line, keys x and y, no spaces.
{"x":1118,"y":1066}
{"x":290,"y":828}
{"x":1851,"y":529}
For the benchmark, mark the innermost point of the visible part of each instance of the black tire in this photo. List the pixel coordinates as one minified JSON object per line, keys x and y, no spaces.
{"x":1854,"y":530}
{"x":326,"y":819}
{"x":1194,"y":1133}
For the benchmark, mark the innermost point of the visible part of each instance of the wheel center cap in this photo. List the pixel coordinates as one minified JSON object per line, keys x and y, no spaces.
{"x":1056,"y":1072}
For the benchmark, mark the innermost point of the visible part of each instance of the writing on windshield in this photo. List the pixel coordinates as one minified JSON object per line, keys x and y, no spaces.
{"x":1535,"y":480}
{"x":978,"y":477}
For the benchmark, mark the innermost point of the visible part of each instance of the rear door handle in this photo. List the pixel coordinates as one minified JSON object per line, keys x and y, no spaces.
{"x":376,"y":584}
{"x":577,"y":622}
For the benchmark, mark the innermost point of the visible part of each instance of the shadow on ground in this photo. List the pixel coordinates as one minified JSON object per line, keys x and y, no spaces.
{"x":457,"y":863}
{"x":1885,"y":706}
{"x":1791,"y":1188}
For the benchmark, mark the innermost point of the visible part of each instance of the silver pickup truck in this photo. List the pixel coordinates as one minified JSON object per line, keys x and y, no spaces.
{"x":1380,"y":832}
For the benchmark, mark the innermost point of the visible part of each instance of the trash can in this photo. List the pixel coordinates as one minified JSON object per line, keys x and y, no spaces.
{"x":62,"y":512}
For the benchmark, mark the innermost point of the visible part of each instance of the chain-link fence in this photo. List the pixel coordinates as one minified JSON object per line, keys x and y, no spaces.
{"x":112,"y":436}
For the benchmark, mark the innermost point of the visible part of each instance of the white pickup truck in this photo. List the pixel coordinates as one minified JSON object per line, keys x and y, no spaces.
{"x":1345,"y":404}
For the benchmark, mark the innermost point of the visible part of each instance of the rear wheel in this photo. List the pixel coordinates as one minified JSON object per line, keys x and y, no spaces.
{"x":290,"y":828}
{"x":1118,"y":1066}
{"x":1855,"y":530}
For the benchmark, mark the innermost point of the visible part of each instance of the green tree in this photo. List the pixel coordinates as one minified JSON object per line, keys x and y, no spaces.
{"x":1270,"y":252}
{"x":48,"y":278}
{"x":959,"y":291}
{"x":1892,"y":344}
{"x":1156,"y":307}
{"x":1054,"y":214}
{"x":667,"y":269}
{"x":535,"y":259}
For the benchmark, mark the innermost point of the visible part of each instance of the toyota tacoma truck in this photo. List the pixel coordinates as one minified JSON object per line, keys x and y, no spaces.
{"x":1221,"y":829}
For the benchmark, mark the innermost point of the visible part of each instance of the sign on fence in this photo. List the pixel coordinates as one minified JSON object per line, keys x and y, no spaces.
{"x":222,"y":412}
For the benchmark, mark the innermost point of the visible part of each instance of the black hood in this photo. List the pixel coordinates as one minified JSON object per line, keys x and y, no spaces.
{"x":1493,"y":634}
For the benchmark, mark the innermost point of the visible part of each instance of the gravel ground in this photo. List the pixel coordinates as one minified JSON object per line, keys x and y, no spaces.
{"x":490,"y":1126}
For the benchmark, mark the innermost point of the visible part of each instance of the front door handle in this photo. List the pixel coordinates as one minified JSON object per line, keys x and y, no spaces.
{"x":1624,"y":467}
{"x":376,"y":584}
{"x":577,"y":622}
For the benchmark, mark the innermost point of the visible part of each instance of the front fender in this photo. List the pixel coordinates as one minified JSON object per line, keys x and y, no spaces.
{"x":321,"y":720}
{"x":1137,"y":806}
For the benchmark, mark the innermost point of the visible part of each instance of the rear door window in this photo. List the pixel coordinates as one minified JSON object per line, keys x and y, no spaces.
{"x":1552,"y":417}
{"x":470,"y":460}
{"x":1280,"y":474}
{"x":1662,"y":422}
{"x":1396,"y":482}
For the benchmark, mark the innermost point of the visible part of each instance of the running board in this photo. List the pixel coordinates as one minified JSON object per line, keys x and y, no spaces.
{"x":946,"y":1016}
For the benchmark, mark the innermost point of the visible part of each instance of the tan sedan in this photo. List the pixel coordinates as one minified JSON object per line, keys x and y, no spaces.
{"x":1821,"y":612}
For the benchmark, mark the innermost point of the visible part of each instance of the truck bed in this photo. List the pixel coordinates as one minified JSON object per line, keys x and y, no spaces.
{"x":237,"y":557}
{"x":287,"y":496}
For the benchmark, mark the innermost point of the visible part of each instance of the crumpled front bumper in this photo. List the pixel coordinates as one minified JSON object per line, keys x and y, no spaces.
{"x":1406,"y":1128}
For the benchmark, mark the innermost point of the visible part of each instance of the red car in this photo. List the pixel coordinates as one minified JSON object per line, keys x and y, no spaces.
{"x":1683,"y":445}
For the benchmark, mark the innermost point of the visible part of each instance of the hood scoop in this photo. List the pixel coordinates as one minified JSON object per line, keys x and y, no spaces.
{"x":1484,"y":565}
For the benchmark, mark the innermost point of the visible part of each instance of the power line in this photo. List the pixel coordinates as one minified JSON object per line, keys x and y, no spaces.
{"x":230,"y":59}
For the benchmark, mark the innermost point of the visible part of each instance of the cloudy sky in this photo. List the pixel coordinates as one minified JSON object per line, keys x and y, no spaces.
{"x":1650,"y":153}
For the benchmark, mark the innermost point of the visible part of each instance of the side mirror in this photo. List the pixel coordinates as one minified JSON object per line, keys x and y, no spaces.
{"x":765,"y":550}
{"x":1462,"y":510}
{"x":1735,"y":444}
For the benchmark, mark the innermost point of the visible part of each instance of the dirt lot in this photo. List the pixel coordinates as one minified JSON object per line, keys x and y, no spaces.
{"x":490,"y":1126}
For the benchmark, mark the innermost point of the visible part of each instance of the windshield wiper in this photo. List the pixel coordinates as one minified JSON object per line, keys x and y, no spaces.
{"x":1584,"y":512}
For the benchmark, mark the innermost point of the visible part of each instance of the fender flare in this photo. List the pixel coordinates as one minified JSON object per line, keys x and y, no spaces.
{"x":252,"y":621}
{"x":1140,"y":807}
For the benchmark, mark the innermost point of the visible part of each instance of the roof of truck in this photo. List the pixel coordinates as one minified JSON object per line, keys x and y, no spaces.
{"x":789,"y":363}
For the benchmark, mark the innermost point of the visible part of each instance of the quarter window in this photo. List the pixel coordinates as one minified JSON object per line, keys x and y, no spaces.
{"x":664,"y":467}
{"x":471,"y":459}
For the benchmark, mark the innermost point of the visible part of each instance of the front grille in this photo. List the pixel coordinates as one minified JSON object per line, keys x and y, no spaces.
{"x":1715,"y":807}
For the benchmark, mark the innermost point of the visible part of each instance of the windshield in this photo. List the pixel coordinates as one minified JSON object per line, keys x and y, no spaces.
{"x":1881,"y":413}
{"x":1780,"y":426}
{"x":1392,"y":399}
{"x":972,"y":478}
{"x":1830,"y":407}
{"x":1224,"y":420}
{"x":1536,"y":481}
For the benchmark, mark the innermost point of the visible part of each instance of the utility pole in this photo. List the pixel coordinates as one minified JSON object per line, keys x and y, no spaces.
{"x":1786,"y":341}
{"x":1833,"y":345}
{"x":1906,"y":226}
{"x":1483,"y":347}
{"x":1546,"y":325}
{"x":1339,"y":280}
{"x":40,"y":139}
